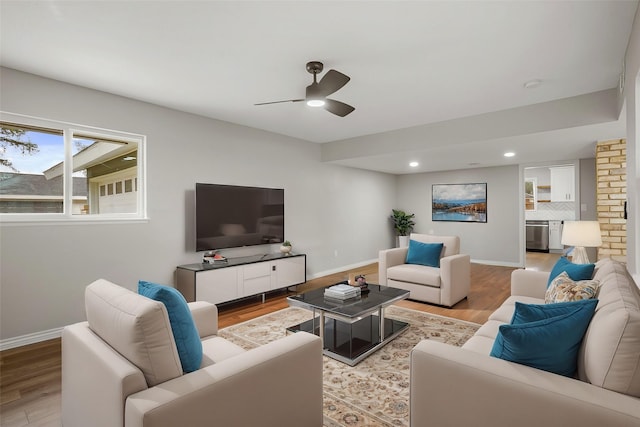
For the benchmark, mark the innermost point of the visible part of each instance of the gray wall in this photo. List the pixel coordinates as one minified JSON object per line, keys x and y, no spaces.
{"x":495,"y":242}
{"x":588,"y":186}
{"x":338,"y":216}
{"x":44,"y":268}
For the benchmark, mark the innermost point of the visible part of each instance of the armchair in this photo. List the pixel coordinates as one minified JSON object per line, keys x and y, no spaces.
{"x":445,"y":285}
{"x":121,"y":368}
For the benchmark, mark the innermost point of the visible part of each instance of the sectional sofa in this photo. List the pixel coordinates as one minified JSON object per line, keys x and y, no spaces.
{"x":458,"y":386}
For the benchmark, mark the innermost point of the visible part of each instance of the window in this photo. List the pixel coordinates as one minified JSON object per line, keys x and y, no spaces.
{"x":530,"y":194}
{"x":57,"y":171}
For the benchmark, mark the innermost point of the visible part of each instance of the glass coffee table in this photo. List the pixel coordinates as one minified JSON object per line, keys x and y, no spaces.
{"x":351,"y":329}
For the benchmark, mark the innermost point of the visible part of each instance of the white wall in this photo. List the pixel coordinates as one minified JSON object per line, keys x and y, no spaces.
{"x":45,"y":268}
{"x":632,"y":99}
{"x":495,"y":242}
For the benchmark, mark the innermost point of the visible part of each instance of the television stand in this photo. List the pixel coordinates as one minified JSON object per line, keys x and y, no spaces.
{"x":240,"y":277}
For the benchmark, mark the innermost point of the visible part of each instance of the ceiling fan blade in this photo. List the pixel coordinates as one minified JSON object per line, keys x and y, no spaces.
{"x":331,"y":82}
{"x":338,"y":108}
{"x":279,"y":102}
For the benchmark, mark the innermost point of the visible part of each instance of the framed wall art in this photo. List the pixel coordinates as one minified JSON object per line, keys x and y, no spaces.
{"x":459,"y":202}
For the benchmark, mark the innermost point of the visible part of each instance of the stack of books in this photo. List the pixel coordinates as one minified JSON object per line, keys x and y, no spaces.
{"x":213,"y":258}
{"x":342,"y":292}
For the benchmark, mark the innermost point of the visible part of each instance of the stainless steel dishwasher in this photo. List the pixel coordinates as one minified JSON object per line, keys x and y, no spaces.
{"x":537,"y":233}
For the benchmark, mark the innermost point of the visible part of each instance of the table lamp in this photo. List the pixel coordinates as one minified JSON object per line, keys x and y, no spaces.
{"x":581,"y":235}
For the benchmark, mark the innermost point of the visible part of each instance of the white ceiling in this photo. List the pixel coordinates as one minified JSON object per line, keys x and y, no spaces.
{"x":411,"y":63}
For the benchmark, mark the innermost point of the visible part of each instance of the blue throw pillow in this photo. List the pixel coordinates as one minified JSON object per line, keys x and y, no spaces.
{"x":575,"y":271}
{"x":424,"y":253}
{"x":183,"y":327}
{"x":525,"y":313}
{"x":550,"y":344}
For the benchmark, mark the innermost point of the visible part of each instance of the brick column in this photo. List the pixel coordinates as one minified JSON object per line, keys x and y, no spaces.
{"x":611,"y":172}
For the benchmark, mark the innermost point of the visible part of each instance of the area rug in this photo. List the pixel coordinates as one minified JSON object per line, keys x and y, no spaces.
{"x":375,"y":392}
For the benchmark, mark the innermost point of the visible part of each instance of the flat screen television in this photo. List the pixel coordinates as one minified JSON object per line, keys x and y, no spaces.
{"x":231,"y":216}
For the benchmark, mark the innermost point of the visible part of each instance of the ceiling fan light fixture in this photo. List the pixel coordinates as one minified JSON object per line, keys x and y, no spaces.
{"x":317,"y":92}
{"x":315,"y":102}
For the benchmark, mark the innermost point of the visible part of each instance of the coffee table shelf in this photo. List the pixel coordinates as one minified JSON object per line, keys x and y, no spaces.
{"x":352,"y":329}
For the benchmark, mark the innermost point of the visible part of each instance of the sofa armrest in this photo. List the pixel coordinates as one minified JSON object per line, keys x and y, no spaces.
{"x":96,"y":379}
{"x":529,"y":283}
{"x":205,"y":316}
{"x":268,"y":386}
{"x":455,"y":278}
{"x":495,"y":392}
{"x":388,"y":258}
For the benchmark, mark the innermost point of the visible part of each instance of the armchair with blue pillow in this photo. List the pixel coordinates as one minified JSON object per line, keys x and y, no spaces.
{"x":150,"y":359}
{"x":431,"y":268}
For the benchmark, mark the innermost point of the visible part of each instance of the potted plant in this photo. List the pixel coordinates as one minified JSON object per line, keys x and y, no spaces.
{"x":285,"y":248}
{"x":403,"y":223}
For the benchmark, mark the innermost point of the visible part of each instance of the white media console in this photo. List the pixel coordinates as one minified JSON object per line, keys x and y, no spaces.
{"x":240,"y":277}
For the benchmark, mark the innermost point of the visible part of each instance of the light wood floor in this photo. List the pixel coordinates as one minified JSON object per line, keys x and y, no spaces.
{"x":30,"y":376}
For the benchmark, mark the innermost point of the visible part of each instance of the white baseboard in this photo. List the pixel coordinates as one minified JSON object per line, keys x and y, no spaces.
{"x":57,"y":333}
{"x":30,"y":339}
{"x":341,"y":269}
{"x":498,"y":263}
{"x":371,"y":261}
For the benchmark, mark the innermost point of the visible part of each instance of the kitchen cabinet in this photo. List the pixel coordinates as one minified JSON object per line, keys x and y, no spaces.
{"x":562,"y":184}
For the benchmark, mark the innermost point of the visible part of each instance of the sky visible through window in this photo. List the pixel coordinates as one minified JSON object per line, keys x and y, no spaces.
{"x":50,"y":153}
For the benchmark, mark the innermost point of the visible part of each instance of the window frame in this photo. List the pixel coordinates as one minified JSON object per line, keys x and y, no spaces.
{"x":534,"y":185}
{"x":68,"y":132}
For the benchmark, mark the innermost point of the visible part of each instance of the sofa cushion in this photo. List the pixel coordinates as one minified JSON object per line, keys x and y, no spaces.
{"x":563,"y":289}
{"x":183,"y":327}
{"x":550,"y":344}
{"x":216,"y":349}
{"x":136,"y":327}
{"x":413,"y":273}
{"x":504,"y":313}
{"x":610,"y":353}
{"x":490,"y":329}
{"x":479,"y":344}
{"x":575,"y":271}
{"x":424,"y":253}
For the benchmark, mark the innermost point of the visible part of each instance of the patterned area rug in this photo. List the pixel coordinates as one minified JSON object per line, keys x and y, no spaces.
{"x":375,"y":392}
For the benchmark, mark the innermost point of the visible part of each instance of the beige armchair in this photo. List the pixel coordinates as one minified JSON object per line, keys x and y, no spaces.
{"x":121,"y":368}
{"x":446,"y":285}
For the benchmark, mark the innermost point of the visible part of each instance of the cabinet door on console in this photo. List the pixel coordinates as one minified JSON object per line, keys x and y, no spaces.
{"x":216,"y":286}
{"x":290,"y":271}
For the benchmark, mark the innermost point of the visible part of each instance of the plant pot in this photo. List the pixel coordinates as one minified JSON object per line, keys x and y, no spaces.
{"x":403,"y":241}
{"x":285,"y":249}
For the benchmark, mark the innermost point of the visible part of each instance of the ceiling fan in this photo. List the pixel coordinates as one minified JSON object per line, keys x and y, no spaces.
{"x":317,"y":92}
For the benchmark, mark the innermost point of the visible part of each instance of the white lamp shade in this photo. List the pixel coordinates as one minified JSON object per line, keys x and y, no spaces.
{"x":581,"y":234}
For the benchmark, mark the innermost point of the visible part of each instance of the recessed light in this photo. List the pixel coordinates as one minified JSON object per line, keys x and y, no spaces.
{"x":129,"y":158}
{"x":414,"y":164}
{"x":532,"y":84}
{"x":509,"y":154}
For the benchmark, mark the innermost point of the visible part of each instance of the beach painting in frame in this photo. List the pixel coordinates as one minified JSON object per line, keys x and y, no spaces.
{"x":459,"y":202}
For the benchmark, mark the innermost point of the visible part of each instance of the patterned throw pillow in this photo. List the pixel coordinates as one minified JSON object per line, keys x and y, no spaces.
{"x":563,"y":289}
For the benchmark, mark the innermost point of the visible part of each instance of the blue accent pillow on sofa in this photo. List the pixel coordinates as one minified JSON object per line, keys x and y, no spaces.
{"x":550,"y":344}
{"x":424,"y":253}
{"x":525,"y":313}
{"x":575,"y":271}
{"x":183,"y":327}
